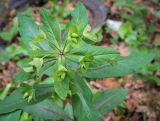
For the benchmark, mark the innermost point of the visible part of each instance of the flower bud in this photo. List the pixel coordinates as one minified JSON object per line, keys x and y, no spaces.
{"x":74,"y":40}
{"x":74,"y":35}
{"x":61,"y":73}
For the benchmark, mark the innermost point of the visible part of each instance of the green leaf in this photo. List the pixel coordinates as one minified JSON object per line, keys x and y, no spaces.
{"x":27,"y":28}
{"x":31,"y":35}
{"x":68,"y":108}
{"x":28,"y":69}
{"x":125,"y":29}
{"x":40,"y":38}
{"x":16,"y":101}
{"x":79,"y":17}
{"x":47,"y":110}
{"x":37,"y":62}
{"x":109,"y":99}
{"x":11,"y":52}
{"x":101,"y":55}
{"x":24,"y":64}
{"x":38,"y":53}
{"x":82,"y":86}
{"x":72,"y":37}
{"x":62,"y":88}
{"x":22,"y":76}
{"x":93,"y":50}
{"x":82,"y":100}
{"x":9,"y":35}
{"x":48,"y":69}
{"x":28,"y":12}
{"x":124,"y":66}
{"x":49,"y":80}
{"x":13,"y":102}
{"x":14,"y":116}
{"x":51,"y":28}
{"x":92,"y":35}
{"x":43,"y":91}
{"x":83,"y":110}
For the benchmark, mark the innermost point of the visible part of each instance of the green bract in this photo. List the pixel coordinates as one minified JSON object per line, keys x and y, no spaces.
{"x":56,"y":66}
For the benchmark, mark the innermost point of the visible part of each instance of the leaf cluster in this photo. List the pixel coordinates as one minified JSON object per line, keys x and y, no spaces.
{"x":58,"y":61}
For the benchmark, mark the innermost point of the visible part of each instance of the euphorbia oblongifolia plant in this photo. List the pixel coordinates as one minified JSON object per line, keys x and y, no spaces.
{"x":54,"y":73}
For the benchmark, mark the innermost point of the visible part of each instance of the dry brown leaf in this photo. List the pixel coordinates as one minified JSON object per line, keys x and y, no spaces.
{"x":109,"y":82}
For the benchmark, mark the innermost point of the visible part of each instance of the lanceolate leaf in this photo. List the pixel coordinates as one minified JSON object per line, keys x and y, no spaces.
{"x":109,"y":99}
{"x":94,"y":50}
{"x":47,"y":110}
{"x":82,"y":86}
{"x":82,"y":101}
{"x":30,"y":32}
{"x":39,"y":53}
{"x":16,"y":101}
{"x":13,"y":102}
{"x":84,"y":110}
{"x":51,"y":28}
{"x":61,"y":88}
{"x":101,"y":55}
{"x":79,"y":17}
{"x":14,"y":116}
{"x":27,"y":28}
{"x":124,"y":66}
